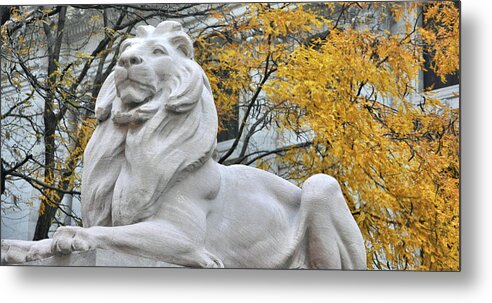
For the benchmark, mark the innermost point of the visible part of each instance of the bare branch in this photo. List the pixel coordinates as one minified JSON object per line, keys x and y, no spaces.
{"x":275,"y":151}
{"x":32,"y":181}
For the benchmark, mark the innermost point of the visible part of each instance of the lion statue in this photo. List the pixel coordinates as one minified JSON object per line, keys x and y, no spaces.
{"x":151,"y":188}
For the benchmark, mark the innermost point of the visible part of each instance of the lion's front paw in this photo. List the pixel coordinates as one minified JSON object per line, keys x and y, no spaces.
{"x":41,"y":250}
{"x":18,"y":251}
{"x":68,"y":239}
{"x":13,"y":252}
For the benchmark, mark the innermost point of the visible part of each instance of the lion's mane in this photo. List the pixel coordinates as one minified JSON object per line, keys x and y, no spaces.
{"x":128,"y":168}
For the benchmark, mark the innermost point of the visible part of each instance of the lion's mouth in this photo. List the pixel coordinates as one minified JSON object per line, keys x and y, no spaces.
{"x":135,"y":92}
{"x":138,"y":84}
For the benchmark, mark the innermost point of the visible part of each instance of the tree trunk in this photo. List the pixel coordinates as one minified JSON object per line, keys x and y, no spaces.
{"x":44,"y":223}
{"x":48,"y":206}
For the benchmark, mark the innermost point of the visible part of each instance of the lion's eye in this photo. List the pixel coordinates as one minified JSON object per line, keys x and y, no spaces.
{"x":159,"y":51}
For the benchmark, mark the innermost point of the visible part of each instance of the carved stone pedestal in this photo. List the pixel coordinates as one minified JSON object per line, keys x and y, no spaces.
{"x":98,"y":257}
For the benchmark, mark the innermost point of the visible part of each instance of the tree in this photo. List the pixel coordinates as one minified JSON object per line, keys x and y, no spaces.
{"x":336,"y":83}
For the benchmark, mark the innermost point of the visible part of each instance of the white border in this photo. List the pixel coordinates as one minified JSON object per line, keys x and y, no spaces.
{"x":473,"y":284}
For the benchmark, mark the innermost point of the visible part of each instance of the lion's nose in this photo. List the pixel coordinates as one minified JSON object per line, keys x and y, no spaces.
{"x":129,"y":60}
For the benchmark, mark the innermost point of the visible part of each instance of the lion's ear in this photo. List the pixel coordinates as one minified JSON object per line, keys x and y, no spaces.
{"x":105,"y":98}
{"x":168,"y":26}
{"x":183,"y":44}
{"x":143,"y":30}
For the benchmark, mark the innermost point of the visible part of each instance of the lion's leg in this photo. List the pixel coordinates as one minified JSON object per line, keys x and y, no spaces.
{"x":156,"y":240}
{"x":18,"y":251}
{"x":334,"y":239}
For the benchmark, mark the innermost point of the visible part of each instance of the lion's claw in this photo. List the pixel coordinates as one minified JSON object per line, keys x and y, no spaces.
{"x":17,"y":251}
{"x":69,"y":239}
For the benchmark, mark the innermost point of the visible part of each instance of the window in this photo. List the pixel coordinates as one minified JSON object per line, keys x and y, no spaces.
{"x":431,"y":80}
{"x":231,"y":127}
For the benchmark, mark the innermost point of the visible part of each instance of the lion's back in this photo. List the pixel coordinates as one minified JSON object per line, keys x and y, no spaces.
{"x":254,"y":180}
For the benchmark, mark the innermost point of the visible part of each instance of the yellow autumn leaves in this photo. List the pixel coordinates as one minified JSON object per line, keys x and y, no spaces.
{"x":394,"y":150}
{"x":344,"y":78}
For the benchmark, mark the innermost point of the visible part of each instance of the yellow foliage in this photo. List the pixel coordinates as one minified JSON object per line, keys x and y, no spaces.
{"x":441,"y":36}
{"x":328,"y":72}
{"x":397,"y":160}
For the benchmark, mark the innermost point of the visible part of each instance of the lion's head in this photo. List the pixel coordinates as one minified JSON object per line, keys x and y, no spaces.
{"x":156,"y":69}
{"x":157,"y":122}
